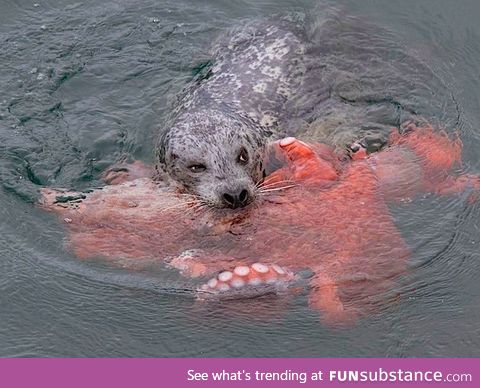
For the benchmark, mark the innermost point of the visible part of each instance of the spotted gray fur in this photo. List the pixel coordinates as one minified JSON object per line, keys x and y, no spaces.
{"x":236,"y":108}
{"x":331,"y":77}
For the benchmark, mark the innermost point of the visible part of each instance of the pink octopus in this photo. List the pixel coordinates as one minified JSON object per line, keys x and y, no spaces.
{"x":301,"y":220}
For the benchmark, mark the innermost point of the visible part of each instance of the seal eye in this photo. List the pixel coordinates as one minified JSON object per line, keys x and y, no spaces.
{"x":196,"y":168}
{"x":242,"y":156}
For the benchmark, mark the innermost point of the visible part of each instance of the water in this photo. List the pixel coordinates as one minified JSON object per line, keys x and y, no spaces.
{"x":85,"y":85}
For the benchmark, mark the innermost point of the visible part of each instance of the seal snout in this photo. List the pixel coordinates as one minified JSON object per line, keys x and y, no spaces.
{"x":235,"y":199}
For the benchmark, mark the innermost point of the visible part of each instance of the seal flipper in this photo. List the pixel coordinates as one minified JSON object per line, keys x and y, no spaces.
{"x":126,"y":172}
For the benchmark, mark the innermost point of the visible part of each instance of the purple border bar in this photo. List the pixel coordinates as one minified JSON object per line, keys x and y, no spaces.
{"x":173,"y":372}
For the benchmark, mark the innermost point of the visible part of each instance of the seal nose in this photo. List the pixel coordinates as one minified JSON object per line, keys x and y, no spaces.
{"x":235,"y":200}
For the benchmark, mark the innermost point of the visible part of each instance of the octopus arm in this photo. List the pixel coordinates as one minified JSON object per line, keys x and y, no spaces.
{"x":421,"y":160}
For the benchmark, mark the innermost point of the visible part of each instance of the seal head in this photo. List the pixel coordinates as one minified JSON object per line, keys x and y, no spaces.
{"x":217,"y":157}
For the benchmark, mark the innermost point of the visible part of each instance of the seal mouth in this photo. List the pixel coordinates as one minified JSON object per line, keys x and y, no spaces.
{"x":226,"y":209}
{"x":225,"y":205}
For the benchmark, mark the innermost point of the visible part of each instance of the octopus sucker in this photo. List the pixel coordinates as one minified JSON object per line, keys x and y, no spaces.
{"x":259,"y":267}
{"x":237,"y":283}
{"x":244,"y":277}
{"x":225,"y":276}
{"x":223,"y":287}
{"x":212,"y":283}
{"x":278,"y":269}
{"x":241,"y":270}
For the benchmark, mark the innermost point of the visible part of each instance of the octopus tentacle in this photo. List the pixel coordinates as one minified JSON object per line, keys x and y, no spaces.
{"x":258,"y":278}
{"x":324,"y":298}
{"x":307,"y":163}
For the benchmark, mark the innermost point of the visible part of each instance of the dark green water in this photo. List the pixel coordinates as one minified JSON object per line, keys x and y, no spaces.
{"x":85,"y":84}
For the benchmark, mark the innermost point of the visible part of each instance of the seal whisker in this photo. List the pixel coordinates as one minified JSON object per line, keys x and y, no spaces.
{"x":180,"y":205}
{"x":181,"y":196}
{"x":266,"y":181}
{"x":200,"y":206}
{"x":276,"y":189}
{"x":273,"y":184}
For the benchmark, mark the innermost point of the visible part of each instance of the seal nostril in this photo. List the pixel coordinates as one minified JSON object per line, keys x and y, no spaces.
{"x":229,"y":200}
{"x":237,"y":199}
{"x":243,"y":196}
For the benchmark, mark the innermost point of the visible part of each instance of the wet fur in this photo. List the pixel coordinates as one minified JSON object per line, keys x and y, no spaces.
{"x":240,"y":102}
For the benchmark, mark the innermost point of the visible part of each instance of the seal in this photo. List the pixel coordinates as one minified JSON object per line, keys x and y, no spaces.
{"x":214,"y":144}
{"x":313,"y":79}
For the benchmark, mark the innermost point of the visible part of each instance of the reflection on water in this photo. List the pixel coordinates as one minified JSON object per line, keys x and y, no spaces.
{"x":87,"y":85}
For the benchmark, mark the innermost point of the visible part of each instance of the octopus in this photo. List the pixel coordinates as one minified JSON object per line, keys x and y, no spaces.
{"x":321,"y":221}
